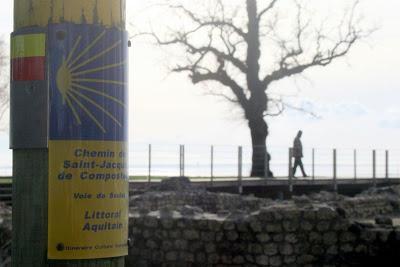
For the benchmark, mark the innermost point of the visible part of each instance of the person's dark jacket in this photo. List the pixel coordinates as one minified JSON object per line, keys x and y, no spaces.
{"x":297,"y":148}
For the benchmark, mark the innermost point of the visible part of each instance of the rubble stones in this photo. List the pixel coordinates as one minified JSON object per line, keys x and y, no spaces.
{"x":384,"y":220}
{"x":5,"y":235}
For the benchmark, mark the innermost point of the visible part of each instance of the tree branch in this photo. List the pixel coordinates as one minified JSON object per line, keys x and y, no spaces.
{"x":265,"y":10}
{"x":213,"y":22}
{"x":182,"y":39}
{"x":291,"y":64}
{"x":222,"y":77}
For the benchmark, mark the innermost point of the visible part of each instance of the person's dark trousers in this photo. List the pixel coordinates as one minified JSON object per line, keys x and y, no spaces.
{"x":298,"y":162}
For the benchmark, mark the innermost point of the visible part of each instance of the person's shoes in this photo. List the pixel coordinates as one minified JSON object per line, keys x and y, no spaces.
{"x":305,"y":176}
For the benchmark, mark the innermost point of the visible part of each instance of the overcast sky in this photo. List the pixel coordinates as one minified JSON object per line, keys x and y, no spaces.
{"x":357,"y":98}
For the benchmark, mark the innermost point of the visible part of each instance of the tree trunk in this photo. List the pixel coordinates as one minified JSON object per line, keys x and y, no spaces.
{"x":259,"y":132}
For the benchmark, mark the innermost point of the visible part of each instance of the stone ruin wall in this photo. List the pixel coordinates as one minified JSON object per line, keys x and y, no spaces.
{"x":206,"y":229}
{"x":185,"y":227}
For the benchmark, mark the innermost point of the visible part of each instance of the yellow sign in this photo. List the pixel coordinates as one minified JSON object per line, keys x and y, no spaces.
{"x":88,"y":200}
{"x":88,"y":178}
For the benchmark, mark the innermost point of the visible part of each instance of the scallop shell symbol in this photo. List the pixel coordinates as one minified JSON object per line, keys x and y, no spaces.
{"x":72,"y":86}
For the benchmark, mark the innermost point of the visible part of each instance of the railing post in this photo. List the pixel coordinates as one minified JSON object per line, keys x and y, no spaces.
{"x":212,"y":165}
{"x":335,"y":186}
{"x":387,"y":164}
{"x":374,"y":167}
{"x":182,"y":160}
{"x":240,"y":162}
{"x":355,"y":163}
{"x":149,"y":163}
{"x":290,"y":170}
{"x":266,"y":164}
{"x":313,"y":164}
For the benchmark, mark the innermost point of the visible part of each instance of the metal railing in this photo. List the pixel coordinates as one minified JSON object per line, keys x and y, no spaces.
{"x":5,"y":190}
{"x":233,"y":163}
{"x":150,"y":162}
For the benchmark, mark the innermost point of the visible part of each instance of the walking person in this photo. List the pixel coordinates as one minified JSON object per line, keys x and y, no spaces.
{"x":298,"y":154}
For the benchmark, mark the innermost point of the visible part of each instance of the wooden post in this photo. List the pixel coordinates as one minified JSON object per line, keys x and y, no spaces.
{"x":31,"y":161}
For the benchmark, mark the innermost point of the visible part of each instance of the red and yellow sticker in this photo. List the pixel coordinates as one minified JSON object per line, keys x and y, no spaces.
{"x":28,"y":55}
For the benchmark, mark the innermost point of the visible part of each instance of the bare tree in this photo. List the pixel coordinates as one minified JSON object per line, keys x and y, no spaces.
{"x":245,"y":50}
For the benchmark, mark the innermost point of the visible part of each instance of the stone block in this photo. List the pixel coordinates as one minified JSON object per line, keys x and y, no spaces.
{"x":191,"y":234}
{"x":213,"y":258}
{"x":255,"y":248}
{"x":289,"y":259}
{"x":292,"y":214}
{"x":305,"y":259}
{"x":157,"y":256}
{"x":306,"y":226}
{"x":317,"y":250}
{"x":347,"y":237}
{"x":176,"y":234}
{"x":186,"y":257}
{"x":238,"y":260}
{"x":181,"y":244}
{"x":151,"y":244}
{"x":262,"y":260}
{"x":275,"y":261}
{"x":323,"y":226}
{"x":290,"y":226}
{"x":273,"y":228}
{"x":226,"y":259}
{"x":167,"y":245}
{"x":326,"y":213}
{"x":277,"y":238}
{"x":332,"y":250}
{"x":263,"y":237}
{"x":315,"y":237}
{"x":291,"y":238}
{"x":228,"y":225}
{"x":214,"y":226}
{"x":207,"y":236}
{"x":286,"y":249}
{"x":151,"y":222}
{"x":255,"y":225}
{"x":346,"y":248}
{"x":201,"y":257}
{"x":196,"y":246}
{"x":167,"y":223}
{"x":270,"y":249}
{"x":232,"y":236}
{"x":330,"y":238}
{"x":309,"y":215}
